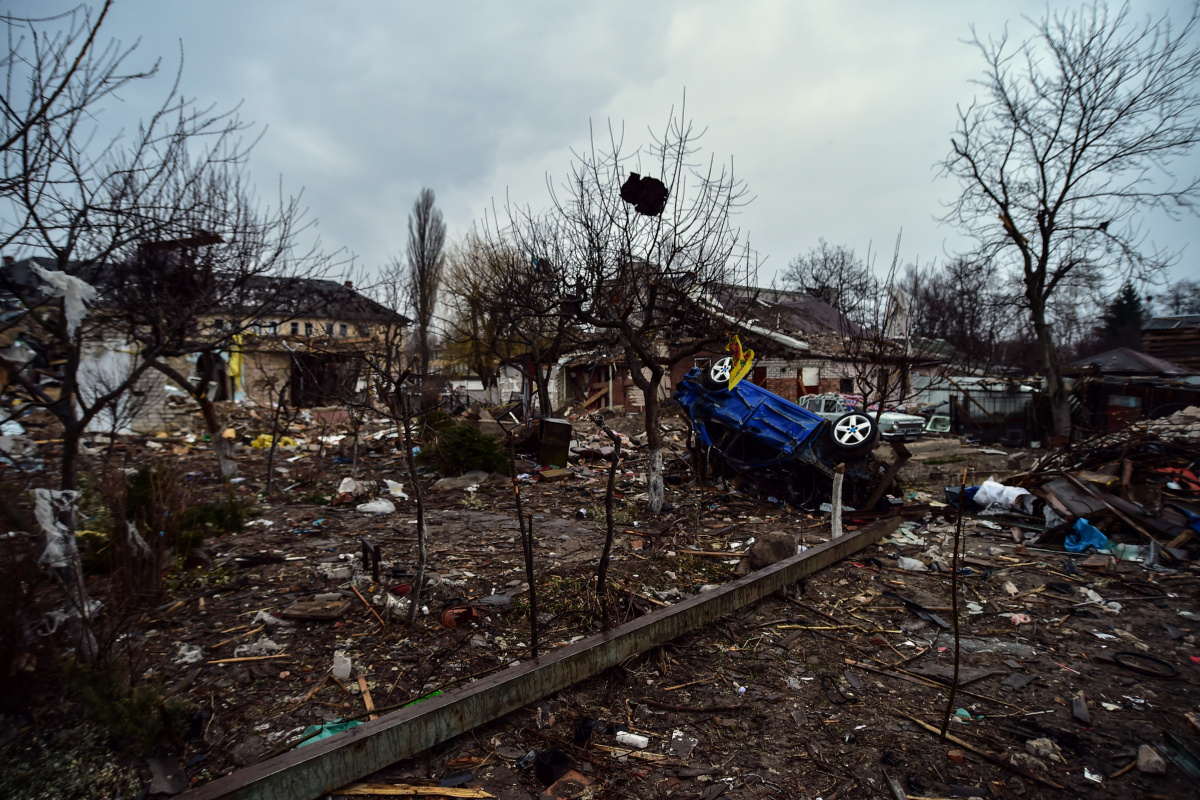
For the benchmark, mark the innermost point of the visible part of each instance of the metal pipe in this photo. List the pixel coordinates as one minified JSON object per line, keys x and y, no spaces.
{"x":318,"y":768}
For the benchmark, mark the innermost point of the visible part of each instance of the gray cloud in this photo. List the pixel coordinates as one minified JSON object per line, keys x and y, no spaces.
{"x":835,"y":114}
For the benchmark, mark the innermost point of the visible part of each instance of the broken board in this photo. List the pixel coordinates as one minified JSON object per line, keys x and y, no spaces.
{"x":316,"y":609}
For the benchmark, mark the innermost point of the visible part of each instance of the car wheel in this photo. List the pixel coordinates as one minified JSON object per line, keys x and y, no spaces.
{"x":716,"y":374}
{"x":853,"y":432}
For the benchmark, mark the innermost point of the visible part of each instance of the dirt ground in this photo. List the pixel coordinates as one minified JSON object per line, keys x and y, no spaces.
{"x":829,"y":690}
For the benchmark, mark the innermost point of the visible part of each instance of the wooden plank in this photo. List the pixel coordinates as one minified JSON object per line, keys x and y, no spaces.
{"x":316,"y":609}
{"x":1127,"y":519}
{"x":248,"y":658}
{"x":596,"y":396}
{"x":366,"y":696}
{"x":405,"y":790}
{"x":1077,"y":502}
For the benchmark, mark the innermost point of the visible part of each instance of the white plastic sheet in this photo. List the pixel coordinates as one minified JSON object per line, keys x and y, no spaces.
{"x":76,"y":295}
{"x":380,"y":506}
{"x":60,"y":550}
{"x":136,"y":543}
{"x":1009,"y":496}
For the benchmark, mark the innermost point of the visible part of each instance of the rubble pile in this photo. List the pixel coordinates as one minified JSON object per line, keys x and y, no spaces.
{"x":1076,"y":652}
{"x":1183,"y":424}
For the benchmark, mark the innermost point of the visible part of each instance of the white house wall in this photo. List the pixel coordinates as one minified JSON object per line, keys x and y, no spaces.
{"x":106,"y":364}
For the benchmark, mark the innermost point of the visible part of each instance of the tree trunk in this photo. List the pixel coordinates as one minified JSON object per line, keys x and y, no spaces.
{"x":222,"y":447}
{"x":1060,"y":406}
{"x":56,"y":514}
{"x":543,"y":390}
{"x":276,"y":432}
{"x":654,"y":469}
{"x":271,"y":466}
{"x":65,"y":409}
{"x":72,"y":434}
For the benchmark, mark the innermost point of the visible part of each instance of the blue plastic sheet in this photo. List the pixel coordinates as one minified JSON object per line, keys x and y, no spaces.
{"x":1084,"y":536}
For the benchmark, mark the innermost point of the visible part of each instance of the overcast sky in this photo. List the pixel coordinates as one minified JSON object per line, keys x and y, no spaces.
{"x":834,"y":113}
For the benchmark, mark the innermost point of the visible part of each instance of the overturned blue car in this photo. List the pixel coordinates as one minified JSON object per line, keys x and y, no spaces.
{"x":787,"y":450}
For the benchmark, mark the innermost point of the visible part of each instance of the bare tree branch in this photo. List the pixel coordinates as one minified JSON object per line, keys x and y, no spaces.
{"x":1073,"y":142}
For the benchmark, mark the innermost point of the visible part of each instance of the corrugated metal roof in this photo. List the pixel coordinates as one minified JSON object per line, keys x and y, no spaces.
{"x":1171,"y":323}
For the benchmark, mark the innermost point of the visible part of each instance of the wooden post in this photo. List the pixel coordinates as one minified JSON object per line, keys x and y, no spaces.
{"x":838,"y":477}
{"x":902,"y":456}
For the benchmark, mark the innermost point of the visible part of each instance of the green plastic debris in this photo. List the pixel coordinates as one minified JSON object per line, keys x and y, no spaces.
{"x":328,"y":729}
{"x":438,"y":693}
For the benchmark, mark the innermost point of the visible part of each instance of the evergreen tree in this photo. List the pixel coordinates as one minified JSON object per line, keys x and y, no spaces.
{"x":1123,"y":319}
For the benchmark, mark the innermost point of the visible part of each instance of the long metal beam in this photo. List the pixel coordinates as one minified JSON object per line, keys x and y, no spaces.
{"x":313,"y":770}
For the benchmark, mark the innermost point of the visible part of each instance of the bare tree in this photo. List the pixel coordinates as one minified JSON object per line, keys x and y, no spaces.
{"x":880,"y":343}
{"x":1179,"y":297}
{"x":472,"y":337}
{"x":643,"y":259}
{"x":282,"y":414}
{"x":965,"y":305}
{"x":251,"y":268}
{"x":834,"y":274}
{"x":387,"y":367}
{"x":160,"y":224}
{"x":51,"y":77}
{"x":426,"y":238}
{"x":85,"y":213}
{"x":526,"y":298}
{"x":1073,"y":141}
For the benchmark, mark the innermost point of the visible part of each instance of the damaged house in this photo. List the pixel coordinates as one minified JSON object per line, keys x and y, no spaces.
{"x":1116,"y":388}
{"x":802,"y":345}
{"x":257,"y":338}
{"x":309,"y":344}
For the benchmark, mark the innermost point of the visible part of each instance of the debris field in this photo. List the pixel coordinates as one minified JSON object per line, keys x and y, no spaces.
{"x":1076,"y":670}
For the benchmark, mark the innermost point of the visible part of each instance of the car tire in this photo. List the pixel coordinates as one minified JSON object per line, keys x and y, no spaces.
{"x":853,"y":431}
{"x":716,"y":374}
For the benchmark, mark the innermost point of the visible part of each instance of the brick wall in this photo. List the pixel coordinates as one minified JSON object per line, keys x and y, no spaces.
{"x":784,"y":387}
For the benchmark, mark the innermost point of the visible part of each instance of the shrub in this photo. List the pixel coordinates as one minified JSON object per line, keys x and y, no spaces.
{"x":198,"y":522}
{"x":157,"y":504}
{"x":134,"y":716}
{"x":156,"y":501}
{"x":437,"y":420}
{"x":460,"y":448}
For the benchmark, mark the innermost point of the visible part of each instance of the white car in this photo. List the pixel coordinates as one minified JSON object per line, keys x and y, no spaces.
{"x":893,"y":426}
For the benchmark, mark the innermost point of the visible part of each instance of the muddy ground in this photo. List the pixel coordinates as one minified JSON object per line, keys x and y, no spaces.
{"x":822,"y":692}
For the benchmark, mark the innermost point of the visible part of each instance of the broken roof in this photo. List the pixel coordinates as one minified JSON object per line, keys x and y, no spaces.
{"x":266,"y":294}
{"x":788,"y":311}
{"x":1126,"y":361}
